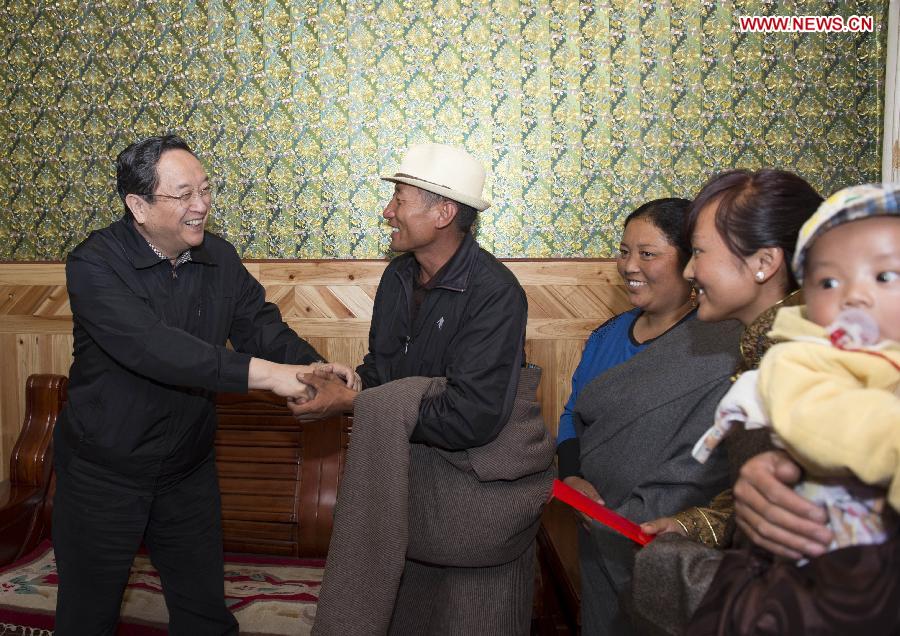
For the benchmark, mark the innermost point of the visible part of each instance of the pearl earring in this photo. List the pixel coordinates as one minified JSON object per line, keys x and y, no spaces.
{"x":760,"y":276}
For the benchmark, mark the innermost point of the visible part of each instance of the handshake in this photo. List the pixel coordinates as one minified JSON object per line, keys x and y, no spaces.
{"x":315,"y":373}
{"x":314,"y":391}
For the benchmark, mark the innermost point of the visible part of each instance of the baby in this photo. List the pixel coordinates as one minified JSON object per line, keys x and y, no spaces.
{"x":830,"y":389}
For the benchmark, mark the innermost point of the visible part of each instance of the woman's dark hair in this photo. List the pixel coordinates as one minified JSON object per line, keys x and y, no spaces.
{"x":136,"y":165}
{"x":669,"y":217}
{"x":758,"y":209}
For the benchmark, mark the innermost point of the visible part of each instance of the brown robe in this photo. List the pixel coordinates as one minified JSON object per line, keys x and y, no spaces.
{"x":433,"y":541}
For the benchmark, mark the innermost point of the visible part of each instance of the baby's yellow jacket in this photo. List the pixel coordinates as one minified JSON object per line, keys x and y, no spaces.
{"x":835,"y":410}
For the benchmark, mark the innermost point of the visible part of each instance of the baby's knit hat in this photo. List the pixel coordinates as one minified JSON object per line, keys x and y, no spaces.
{"x":849,"y":204}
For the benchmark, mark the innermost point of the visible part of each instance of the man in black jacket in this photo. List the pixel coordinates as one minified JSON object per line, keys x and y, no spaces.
{"x":445,"y":307}
{"x":154,"y":299}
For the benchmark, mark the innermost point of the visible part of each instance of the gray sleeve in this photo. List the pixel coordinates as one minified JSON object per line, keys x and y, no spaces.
{"x":678,"y":480}
{"x":670,"y":578}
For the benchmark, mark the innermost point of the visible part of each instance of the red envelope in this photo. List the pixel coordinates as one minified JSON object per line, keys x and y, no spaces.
{"x":604,"y":515}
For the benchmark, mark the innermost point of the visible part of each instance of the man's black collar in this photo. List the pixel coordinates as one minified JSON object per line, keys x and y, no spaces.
{"x":140,"y":253}
{"x":455,"y":274}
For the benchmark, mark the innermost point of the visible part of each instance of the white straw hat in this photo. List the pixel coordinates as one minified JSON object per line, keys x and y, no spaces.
{"x":445,"y":170}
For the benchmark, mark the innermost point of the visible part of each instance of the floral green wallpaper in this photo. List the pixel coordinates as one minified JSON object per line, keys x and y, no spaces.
{"x":580,"y":110}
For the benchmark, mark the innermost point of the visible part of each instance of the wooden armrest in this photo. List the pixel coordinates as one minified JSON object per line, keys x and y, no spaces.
{"x":26,"y":499}
{"x":32,"y":456}
{"x":21,"y":520}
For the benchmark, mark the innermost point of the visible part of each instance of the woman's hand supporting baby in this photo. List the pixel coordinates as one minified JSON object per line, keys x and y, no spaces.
{"x":772,"y":514}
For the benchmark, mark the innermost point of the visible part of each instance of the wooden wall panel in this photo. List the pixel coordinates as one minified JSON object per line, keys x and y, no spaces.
{"x":12,"y":396}
{"x":557,"y":359}
{"x":327,"y":302}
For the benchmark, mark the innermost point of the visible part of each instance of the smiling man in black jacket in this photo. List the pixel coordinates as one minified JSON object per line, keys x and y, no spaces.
{"x":154,"y":298}
{"x":444,"y":308}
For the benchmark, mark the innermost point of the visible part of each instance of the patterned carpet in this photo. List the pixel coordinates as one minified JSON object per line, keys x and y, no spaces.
{"x":268,"y":596}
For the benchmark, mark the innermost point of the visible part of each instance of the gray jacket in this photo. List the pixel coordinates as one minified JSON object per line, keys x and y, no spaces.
{"x":638,"y":423}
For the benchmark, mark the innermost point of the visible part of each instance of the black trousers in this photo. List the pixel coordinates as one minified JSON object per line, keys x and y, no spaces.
{"x":99,"y":521}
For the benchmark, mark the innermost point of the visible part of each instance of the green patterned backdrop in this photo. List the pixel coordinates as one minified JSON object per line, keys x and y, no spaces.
{"x":582,"y":110}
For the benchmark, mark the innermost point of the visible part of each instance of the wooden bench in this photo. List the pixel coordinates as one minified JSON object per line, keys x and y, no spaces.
{"x":278,"y":476}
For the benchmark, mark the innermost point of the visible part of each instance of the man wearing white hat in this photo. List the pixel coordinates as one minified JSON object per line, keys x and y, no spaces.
{"x":444,"y":309}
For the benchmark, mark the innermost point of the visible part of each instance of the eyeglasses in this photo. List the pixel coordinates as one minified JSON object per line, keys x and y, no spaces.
{"x":205,"y":193}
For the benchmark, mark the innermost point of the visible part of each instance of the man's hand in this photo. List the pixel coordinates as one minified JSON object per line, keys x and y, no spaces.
{"x":348,"y":375}
{"x":281,"y":379}
{"x":772,"y":514}
{"x":331,"y":396}
{"x":587,"y":489}
{"x":662,"y":525}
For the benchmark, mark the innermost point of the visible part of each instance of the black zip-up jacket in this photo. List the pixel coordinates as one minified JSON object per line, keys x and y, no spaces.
{"x":470,"y":328}
{"x":150,"y":355}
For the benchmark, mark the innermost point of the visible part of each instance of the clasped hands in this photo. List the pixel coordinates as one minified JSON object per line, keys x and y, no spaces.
{"x":313,"y":391}
{"x":329,"y":389}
